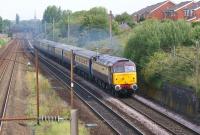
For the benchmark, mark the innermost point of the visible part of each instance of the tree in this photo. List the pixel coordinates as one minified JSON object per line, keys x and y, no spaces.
{"x":144,"y":41}
{"x":125,"y":18}
{"x":174,"y":33}
{"x":151,"y":36}
{"x":52,"y":12}
{"x":164,"y":67}
{"x":77,"y":17}
{"x":96,"y":17}
{"x":17,"y":19}
{"x":115,"y":27}
{"x":63,"y":23}
{"x":1,"y":24}
{"x":6,"y":25}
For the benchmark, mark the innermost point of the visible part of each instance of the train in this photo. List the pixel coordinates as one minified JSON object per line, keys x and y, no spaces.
{"x":114,"y":74}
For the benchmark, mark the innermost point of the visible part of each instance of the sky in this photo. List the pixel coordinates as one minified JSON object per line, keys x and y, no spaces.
{"x":27,"y":8}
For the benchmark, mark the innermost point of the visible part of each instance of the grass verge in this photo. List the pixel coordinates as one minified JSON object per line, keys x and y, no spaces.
{"x":50,"y":104}
{"x":3,"y":41}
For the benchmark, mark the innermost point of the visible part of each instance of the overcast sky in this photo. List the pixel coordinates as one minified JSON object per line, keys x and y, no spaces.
{"x":26,"y":8}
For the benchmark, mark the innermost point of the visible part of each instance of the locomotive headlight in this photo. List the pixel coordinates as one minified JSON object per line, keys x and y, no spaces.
{"x":118,"y":87}
{"x":134,"y":86}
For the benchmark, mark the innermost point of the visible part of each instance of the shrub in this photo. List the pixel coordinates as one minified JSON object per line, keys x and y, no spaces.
{"x":151,"y":36}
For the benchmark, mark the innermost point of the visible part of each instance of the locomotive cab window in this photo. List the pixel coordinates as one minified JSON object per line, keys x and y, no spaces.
{"x":118,"y":69}
{"x":129,"y":68}
{"x":125,"y":68}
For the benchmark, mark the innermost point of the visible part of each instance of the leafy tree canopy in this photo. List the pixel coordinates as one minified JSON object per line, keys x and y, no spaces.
{"x":151,"y":36}
{"x":1,"y":23}
{"x":96,"y":17}
{"x":52,"y":12}
{"x":125,"y":18}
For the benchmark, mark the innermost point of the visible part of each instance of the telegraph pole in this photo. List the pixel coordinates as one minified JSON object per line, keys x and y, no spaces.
{"x":197,"y":65}
{"x":37,"y":86}
{"x":197,"y":75}
{"x":68,"y":29}
{"x":53,"y":28}
{"x":72,"y":78}
{"x":2,"y":27}
{"x":110,"y":21}
{"x":45,"y":28}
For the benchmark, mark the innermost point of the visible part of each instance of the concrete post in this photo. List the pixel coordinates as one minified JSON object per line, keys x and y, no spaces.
{"x":74,"y":122}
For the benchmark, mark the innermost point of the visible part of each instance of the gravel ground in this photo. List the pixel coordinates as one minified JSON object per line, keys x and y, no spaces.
{"x":143,"y":123}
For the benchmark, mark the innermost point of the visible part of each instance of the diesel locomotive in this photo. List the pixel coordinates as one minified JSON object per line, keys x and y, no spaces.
{"x":115,"y":74}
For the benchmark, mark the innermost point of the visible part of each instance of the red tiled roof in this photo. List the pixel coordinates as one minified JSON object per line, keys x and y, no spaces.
{"x":176,"y":7}
{"x":194,"y":6}
{"x":148,"y":9}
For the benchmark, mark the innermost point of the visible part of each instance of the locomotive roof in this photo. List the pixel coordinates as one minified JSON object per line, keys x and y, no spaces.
{"x":109,"y":60}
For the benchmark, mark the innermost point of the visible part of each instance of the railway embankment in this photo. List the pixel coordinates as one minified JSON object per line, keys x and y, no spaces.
{"x":179,"y":99}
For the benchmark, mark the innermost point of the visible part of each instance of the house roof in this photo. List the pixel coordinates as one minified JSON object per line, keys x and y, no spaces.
{"x":179,"y":6}
{"x":194,"y":6}
{"x":192,"y":19}
{"x":149,"y":9}
{"x":124,"y":26}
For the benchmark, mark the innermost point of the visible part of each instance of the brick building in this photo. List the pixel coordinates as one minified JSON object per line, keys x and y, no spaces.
{"x":192,"y":13}
{"x":156,"y":11}
{"x":177,"y":12}
{"x":187,"y":10}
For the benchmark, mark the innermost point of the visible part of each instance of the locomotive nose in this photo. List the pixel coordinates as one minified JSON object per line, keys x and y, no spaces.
{"x":124,"y":78}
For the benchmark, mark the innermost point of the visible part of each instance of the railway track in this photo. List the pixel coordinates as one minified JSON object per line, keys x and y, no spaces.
{"x":170,"y":125}
{"x":162,"y":120}
{"x":7,"y":74}
{"x":113,"y":119}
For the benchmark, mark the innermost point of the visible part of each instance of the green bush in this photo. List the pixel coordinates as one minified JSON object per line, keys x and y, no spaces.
{"x":144,"y":41}
{"x":152,"y":45}
{"x":151,"y":35}
{"x":174,"y":69}
{"x":2,"y":42}
{"x":196,"y":32}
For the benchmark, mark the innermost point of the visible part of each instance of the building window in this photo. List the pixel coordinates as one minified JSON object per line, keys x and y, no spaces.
{"x":188,"y":13}
{"x":170,"y":13}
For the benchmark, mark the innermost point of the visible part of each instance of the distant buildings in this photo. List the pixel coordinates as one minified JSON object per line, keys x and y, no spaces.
{"x":192,"y":13}
{"x":176,"y":12}
{"x":188,"y":10}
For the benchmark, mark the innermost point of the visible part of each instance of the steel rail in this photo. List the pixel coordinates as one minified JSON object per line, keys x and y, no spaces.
{"x":162,"y":114}
{"x":5,"y":102}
